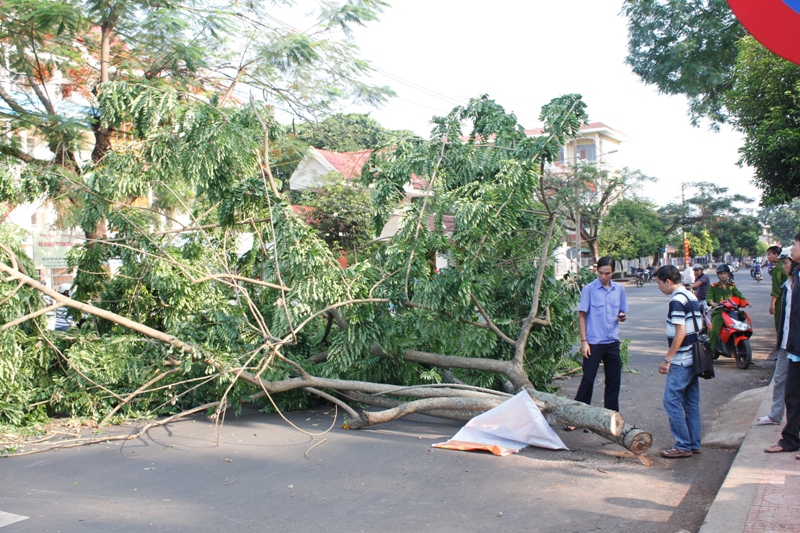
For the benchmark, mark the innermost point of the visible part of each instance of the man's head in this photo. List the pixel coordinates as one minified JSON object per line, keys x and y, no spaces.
{"x":773,"y":252}
{"x":668,"y":278}
{"x":795,"y":252}
{"x":698,"y":270}
{"x":787,"y":265}
{"x":605,"y":269}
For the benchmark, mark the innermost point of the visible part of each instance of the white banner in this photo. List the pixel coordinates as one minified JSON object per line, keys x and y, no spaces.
{"x":50,"y":247}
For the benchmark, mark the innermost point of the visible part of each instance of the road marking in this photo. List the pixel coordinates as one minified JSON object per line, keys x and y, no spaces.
{"x":6,"y":519}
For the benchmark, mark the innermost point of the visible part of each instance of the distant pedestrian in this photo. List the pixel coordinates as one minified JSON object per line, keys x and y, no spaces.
{"x":602,"y":308}
{"x":682,"y":389}
{"x":790,"y":318}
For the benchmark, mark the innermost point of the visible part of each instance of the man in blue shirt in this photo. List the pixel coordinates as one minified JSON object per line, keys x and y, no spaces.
{"x":602,"y":308}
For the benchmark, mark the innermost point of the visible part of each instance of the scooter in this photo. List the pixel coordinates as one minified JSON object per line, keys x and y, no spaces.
{"x":640,"y":278}
{"x":755,"y":273}
{"x":734,"y":337}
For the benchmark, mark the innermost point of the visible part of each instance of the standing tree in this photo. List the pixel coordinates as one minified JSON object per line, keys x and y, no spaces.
{"x":697,"y":48}
{"x":783,"y":221}
{"x":67,"y":62}
{"x":631,"y":230}
{"x":588,"y":192}
{"x":341,"y":212}
{"x":347,"y":132}
{"x":685,"y":47}
{"x":764,"y":102}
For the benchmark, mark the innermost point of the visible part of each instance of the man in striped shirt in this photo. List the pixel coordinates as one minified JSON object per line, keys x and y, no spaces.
{"x":682,"y":389}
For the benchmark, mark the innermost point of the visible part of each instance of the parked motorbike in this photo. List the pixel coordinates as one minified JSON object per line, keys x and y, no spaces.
{"x":734,"y":337}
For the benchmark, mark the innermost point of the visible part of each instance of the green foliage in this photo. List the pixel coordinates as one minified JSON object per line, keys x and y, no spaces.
{"x":739,"y":236}
{"x":783,"y":221}
{"x":685,"y":47}
{"x":630,"y":230}
{"x":202,"y":162}
{"x":764,"y":101}
{"x":347,"y":132}
{"x":340,"y":212}
{"x":587,"y":192}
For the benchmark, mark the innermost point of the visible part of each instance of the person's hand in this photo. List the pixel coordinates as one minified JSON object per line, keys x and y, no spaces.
{"x":663,"y":368}
{"x":772,"y":308}
{"x":585,"y":350}
{"x":622,"y":317}
{"x":751,"y":305}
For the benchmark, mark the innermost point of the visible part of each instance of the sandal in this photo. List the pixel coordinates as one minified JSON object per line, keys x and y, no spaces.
{"x":776,"y":448}
{"x":570,"y":428}
{"x":674,"y":453}
{"x":765,"y":421}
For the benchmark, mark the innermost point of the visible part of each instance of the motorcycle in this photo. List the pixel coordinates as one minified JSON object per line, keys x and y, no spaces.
{"x":755,"y":273}
{"x":640,"y":278}
{"x":734,"y":337}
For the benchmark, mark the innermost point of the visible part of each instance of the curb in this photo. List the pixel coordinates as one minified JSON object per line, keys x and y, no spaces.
{"x":731,"y":507}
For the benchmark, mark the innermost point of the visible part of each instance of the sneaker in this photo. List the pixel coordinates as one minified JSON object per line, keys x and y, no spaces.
{"x":765,"y":421}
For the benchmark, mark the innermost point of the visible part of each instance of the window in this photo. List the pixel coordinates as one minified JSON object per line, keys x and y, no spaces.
{"x":587,"y":152}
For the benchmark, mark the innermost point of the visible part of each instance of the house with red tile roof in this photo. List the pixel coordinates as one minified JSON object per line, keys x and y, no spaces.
{"x":317,"y":164}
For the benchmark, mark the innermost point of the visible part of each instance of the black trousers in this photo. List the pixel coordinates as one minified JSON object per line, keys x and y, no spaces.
{"x":612,"y":365}
{"x":790,"y":436}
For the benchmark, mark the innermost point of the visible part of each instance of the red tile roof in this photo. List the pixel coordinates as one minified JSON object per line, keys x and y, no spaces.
{"x":348,"y":164}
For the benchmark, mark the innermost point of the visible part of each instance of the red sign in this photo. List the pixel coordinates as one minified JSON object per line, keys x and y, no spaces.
{"x":774,"y":23}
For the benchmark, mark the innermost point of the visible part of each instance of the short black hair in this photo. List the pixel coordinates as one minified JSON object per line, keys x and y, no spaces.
{"x":776,"y":250}
{"x":606,"y":261}
{"x":797,"y":237}
{"x":669,"y":272}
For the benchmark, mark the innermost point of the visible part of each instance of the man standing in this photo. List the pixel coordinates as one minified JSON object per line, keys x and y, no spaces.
{"x":603,"y":306}
{"x":787,"y":265}
{"x":790,"y":436}
{"x":700,"y":286}
{"x":682,"y":390}
{"x":779,"y":277}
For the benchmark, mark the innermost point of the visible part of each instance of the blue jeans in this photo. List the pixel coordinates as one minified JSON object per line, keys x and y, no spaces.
{"x":682,"y":404}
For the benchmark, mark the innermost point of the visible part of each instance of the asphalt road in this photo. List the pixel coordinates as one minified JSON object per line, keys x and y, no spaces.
{"x":260,"y":474}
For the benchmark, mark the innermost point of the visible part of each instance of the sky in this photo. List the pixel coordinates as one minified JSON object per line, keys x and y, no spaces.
{"x":437,"y":54}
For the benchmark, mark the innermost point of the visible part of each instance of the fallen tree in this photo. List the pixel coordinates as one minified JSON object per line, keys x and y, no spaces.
{"x":182,"y":325}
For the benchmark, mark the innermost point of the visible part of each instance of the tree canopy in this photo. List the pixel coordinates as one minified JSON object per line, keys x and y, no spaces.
{"x":764,"y":102}
{"x":686,"y":47}
{"x":697,"y":48}
{"x":630,"y":230}
{"x":588,"y":191}
{"x":783,"y":221}
{"x":347,"y":132}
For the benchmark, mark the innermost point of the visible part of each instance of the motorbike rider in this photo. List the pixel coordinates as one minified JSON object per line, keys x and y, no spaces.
{"x":717,"y":293}
{"x":700,"y":286}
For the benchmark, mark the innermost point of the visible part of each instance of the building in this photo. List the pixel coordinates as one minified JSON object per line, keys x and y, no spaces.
{"x":317,"y":164}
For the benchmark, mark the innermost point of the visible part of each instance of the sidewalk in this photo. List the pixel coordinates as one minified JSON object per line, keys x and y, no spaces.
{"x":762,"y":491}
